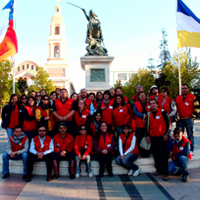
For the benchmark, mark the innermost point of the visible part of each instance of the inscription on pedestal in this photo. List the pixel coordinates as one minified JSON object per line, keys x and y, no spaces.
{"x":97,"y":75}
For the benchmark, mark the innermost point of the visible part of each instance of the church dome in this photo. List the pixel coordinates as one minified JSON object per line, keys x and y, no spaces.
{"x":57,"y":18}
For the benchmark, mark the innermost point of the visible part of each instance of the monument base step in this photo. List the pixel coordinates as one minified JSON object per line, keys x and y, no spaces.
{"x":146,"y":165}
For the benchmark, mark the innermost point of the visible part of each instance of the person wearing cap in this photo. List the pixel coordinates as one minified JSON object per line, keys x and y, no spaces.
{"x":155,"y":95}
{"x":63,"y":109}
{"x":180,"y":147}
{"x":16,"y":149}
{"x":168,"y":104}
{"x":139,"y":88}
{"x":63,"y":150}
{"x":41,"y":149}
{"x":106,"y":108}
{"x":188,"y":107}
{"x":141,"y":108}
{"x":128,"y":150}
{"x":83,"y":148}
{"x":157,"y":130}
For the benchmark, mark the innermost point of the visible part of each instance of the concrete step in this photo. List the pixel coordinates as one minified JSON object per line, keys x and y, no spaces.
{"x":146,"y":165}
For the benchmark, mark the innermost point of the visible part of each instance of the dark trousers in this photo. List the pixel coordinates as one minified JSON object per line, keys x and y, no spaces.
{"x":159,"y":151}
{"x":31,"y":134}
{"x":139,"y":133}
{"x":34,"y":158}
{"x":70,"y":157}
{"x":104,"y":159}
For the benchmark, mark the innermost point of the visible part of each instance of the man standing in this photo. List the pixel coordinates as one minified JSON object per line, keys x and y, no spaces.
{"x":180,"y":147}
{"x":155,"y":95}
{"x":188,"y":107}
{"x":157,"y":130}
{"x":64,"y":109}
{"x":41,"y":149}
{"x":135,"y":98}
{"x":16,"y":149}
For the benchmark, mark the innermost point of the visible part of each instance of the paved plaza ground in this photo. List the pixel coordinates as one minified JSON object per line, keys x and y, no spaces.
{"x":119,"y":187}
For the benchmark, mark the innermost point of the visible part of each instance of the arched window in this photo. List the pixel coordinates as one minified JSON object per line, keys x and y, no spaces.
{"x":57,"y":30}
{"x":56,"y":52}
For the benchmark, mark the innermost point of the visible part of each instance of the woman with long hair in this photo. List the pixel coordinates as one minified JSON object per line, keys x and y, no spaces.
{"x":94,"y":125}
{"x":53,"y":96}
{"x":44,"y":116}
{"x":128,"y":150}
{"x":91,"y":96}
{"x":104,"y":145}
{"x":83,"y":148}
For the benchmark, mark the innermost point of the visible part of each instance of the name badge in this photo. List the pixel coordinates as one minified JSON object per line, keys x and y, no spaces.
{"x":149,"y":107}
{"x":42,"y":145}
{"x":20,"y":111}
{"x":181,"y":148}
{"x":162,"y":110}
{"x":186,"y":103}
{"x":109,"y":145}
{"x":157,"y":117}
{"x":120,"y":110}
{"x":20,"y":144}
{"x":85,"y":146}
{"x":83,"y":116}
{"x":110,"y":107}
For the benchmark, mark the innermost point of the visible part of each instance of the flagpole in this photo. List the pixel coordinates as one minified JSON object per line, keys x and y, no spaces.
{"x":15,"y":10}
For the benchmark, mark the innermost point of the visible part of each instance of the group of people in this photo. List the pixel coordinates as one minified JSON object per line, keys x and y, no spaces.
{"x":100,"y":126}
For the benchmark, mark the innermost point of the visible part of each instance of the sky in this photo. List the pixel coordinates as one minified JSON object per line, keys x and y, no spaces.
{"x":131,"y":30}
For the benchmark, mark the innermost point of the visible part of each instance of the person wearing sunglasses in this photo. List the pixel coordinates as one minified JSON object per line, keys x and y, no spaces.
{"x":41,"y":149}
{"x":155,"y":95}
{"x":179,"y":145}
{"x":128,"y":150}
{"x":44,"y":115}
{"x":30,"y":123}
{"x":83,"y":148}
{"x":63,"y":150}
{"x":37,"y":99}
{"x":23,"y":100}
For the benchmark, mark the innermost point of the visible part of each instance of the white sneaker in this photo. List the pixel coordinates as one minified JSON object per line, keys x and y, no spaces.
{"x":191,"y":153}
{"x":136,"y":173}
{"x":90,"y":174}
{"x":130,"y":172}
{"x":77,"y":175}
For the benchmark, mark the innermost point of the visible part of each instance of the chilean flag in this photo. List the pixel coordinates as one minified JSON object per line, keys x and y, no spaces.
{"x":8,"y":38}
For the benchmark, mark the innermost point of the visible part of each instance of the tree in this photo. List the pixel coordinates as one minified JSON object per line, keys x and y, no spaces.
{"x":6,"y":82}
{"x":42,"y":81}
{"x":151,"y":66}
{"x":22,"y":84}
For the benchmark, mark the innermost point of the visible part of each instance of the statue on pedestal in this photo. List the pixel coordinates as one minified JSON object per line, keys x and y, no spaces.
{"x":94,"y":37}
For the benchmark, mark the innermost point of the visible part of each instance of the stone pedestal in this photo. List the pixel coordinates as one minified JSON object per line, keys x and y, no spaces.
{"x":97,"y":72}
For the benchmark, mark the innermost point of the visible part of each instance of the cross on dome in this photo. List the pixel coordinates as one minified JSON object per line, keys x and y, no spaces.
{"x":58,"y":1}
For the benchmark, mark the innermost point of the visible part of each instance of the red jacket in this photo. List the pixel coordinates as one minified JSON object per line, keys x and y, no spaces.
{"x":135,"y":98}
{"x":128,"y":143}
{"x":107,"y":114}
{"x":160,"y":98}
{"x":105,"y":144}
{"x":126,"y":99}
{"x":63,"y":144}
{"x":185,"y":108}
{"x":87,"y":103}
{"x":83,"y":142}
{"x":46,"y":143}
{"x":157,"y":126}
{"x":14,"y":117}
{"x":167,"y":105}
{"x":121,"y":116}
{"x":95,"y":104}
{"x":92,"y":126}
{"x":63,"y":110}
{"x":139,"y":122}
{"x":83,"y":118}
{"x":19,"y":146}
{"x":30,"y":125}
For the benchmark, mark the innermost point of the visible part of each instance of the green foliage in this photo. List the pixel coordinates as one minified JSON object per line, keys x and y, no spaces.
{"x":6,"y":82}
{"x":42,"y":81}
{"x":22,"y":85}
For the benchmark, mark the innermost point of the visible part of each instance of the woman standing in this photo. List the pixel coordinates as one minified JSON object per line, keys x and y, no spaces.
{"x":104,"y":145}
{"x":53,"y":97}
{"x":30,"y":124}
{"x":11,"y":115}
{"x":128,"y":150}
{"x":44,"y":116}
{"x":83,"y":148}
{"x":94,"y":125}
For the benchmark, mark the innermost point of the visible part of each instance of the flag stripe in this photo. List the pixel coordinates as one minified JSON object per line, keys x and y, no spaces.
{"x":188,"y":39}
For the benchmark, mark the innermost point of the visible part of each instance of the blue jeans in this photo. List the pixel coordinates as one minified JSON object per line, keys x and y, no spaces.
{"x":179,"y":164}
{"x":6,"y":158}
{"x":188,"y":124}
{"x":127,"y":162}
{"x":9,"y":132}
{"x":87,"y":163}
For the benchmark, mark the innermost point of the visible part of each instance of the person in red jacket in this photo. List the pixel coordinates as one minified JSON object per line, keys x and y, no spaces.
{"x":41,"y":149}
{"x":128,"y":150}
{"x":155,"y":95}
{"x":180,"y":147}
{"x":63,"y":150}
{"x":94,"y":125}
{"x":135,"y":98}
{"x":104,"y":145}
{"x":91,"y":97}
{"x":30,"y":123}
{"x":83,"y":148}
{"x":119,"y":91}
{"x":16,"y":149}
{"x":188,"y":107}
{"x":112,"y":93}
